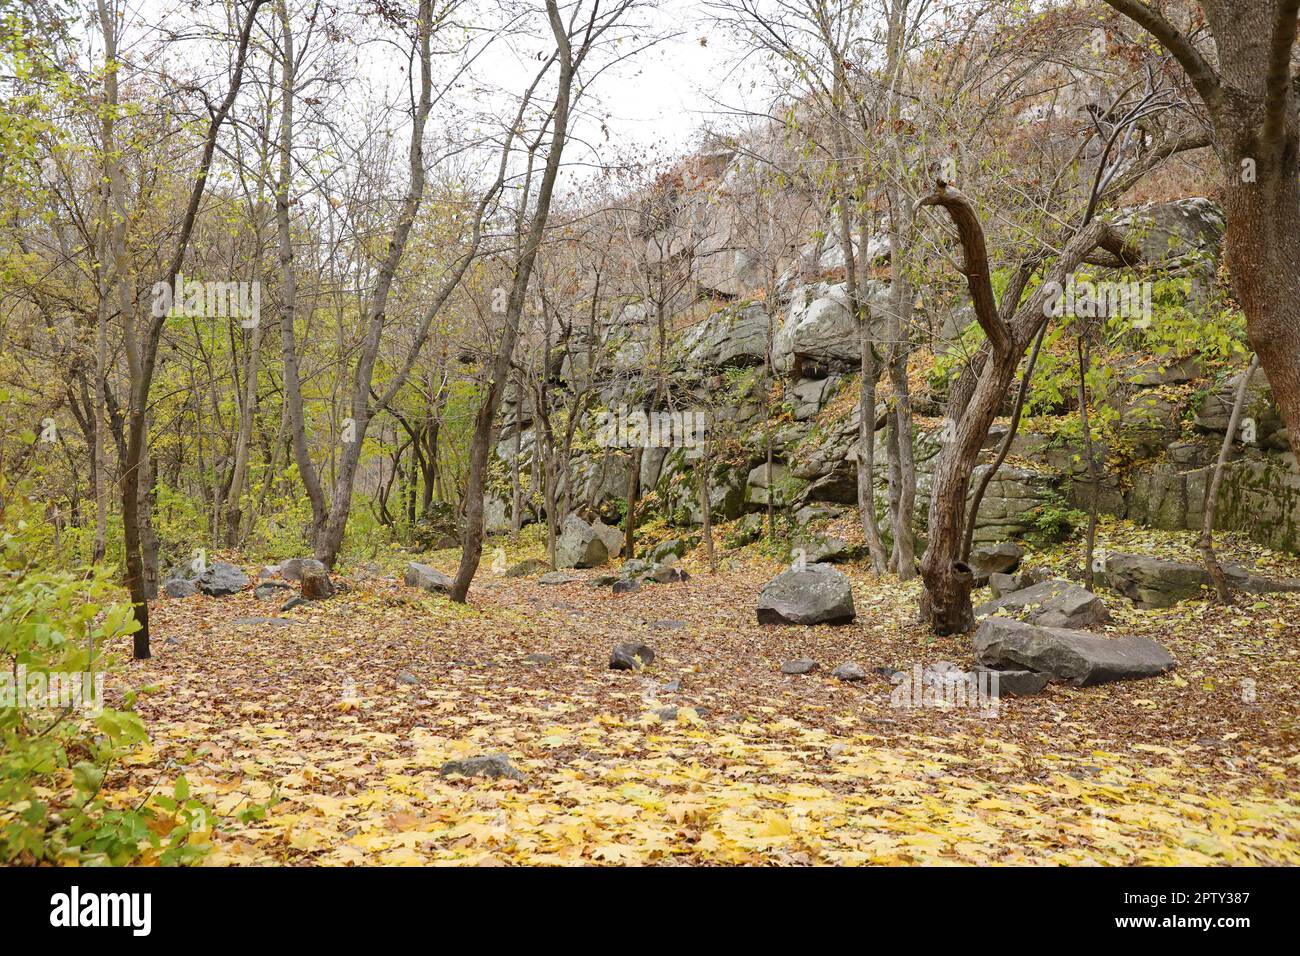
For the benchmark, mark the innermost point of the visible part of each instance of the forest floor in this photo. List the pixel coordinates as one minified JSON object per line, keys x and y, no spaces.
{"x":318,"y":730}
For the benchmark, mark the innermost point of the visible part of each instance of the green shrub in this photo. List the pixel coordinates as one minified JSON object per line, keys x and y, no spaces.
{"x":57,"y":739}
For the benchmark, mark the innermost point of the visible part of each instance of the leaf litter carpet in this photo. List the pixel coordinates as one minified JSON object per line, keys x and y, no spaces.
{"x":320,"y":742}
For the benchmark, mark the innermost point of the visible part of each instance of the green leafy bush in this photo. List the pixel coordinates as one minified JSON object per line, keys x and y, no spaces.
{"x":57,"y":739}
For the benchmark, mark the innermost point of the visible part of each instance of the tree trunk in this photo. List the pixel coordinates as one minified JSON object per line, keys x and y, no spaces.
{"x":1090,"y":540}
{"x":480,"y":442}
{"x":1206,"y":541}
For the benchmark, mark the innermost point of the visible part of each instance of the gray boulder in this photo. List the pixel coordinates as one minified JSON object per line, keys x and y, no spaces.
{"x":1012,"y":683}
{"x":612,"y":537}
{"x":221,"y":579}
{"x":179,"y":588}
{"x":1001,"y":584}
{"x":822,"y":547}
{"x":1052,"y":604}
{"x":667,"y":551}
{"x":730,"y":337}
{"x":1155,"y":582}
{"x":817,"y":595}
{"x":1081,"y":658}
{"x":1000,"y":558}
{"x":427,"y":577}
{"x":579,"y":545}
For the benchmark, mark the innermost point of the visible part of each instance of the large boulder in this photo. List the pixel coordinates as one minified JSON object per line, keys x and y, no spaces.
{"x":821,"y":329}
{"x":579,"y":545}
{"x":220,"y":579}
{"x":1170,"y":230}
{"x":817,"y":595}
{"x":1081,"y":658}
{"x":989,"y":559}
{"x":427,"y":577}
{"x":1013,"y":502}
{"x":730,"y":337}
{"x":179,"y":587}
{"x":612,"y":537}
{"x":1051,"y":604}
{"x":1156,"y":582}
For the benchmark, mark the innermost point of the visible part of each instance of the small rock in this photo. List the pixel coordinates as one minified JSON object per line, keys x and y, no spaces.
{"x":800,"y":665}
{"x":1013,"y":683}
{"x":849,"y":672}
{"x":494,"y":767}
{"x":269,"y":590}
{"x":631,"y":657}
{"x":558,"y":577}
{"x":667,"y":574}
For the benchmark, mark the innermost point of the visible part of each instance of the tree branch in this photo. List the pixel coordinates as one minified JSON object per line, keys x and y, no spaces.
{"x":1198,"y":70}
{"x":976,"y":264}
{"x":1279,"y":80}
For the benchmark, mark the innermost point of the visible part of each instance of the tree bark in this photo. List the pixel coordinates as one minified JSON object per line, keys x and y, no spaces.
{"x":1205,"y":544}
